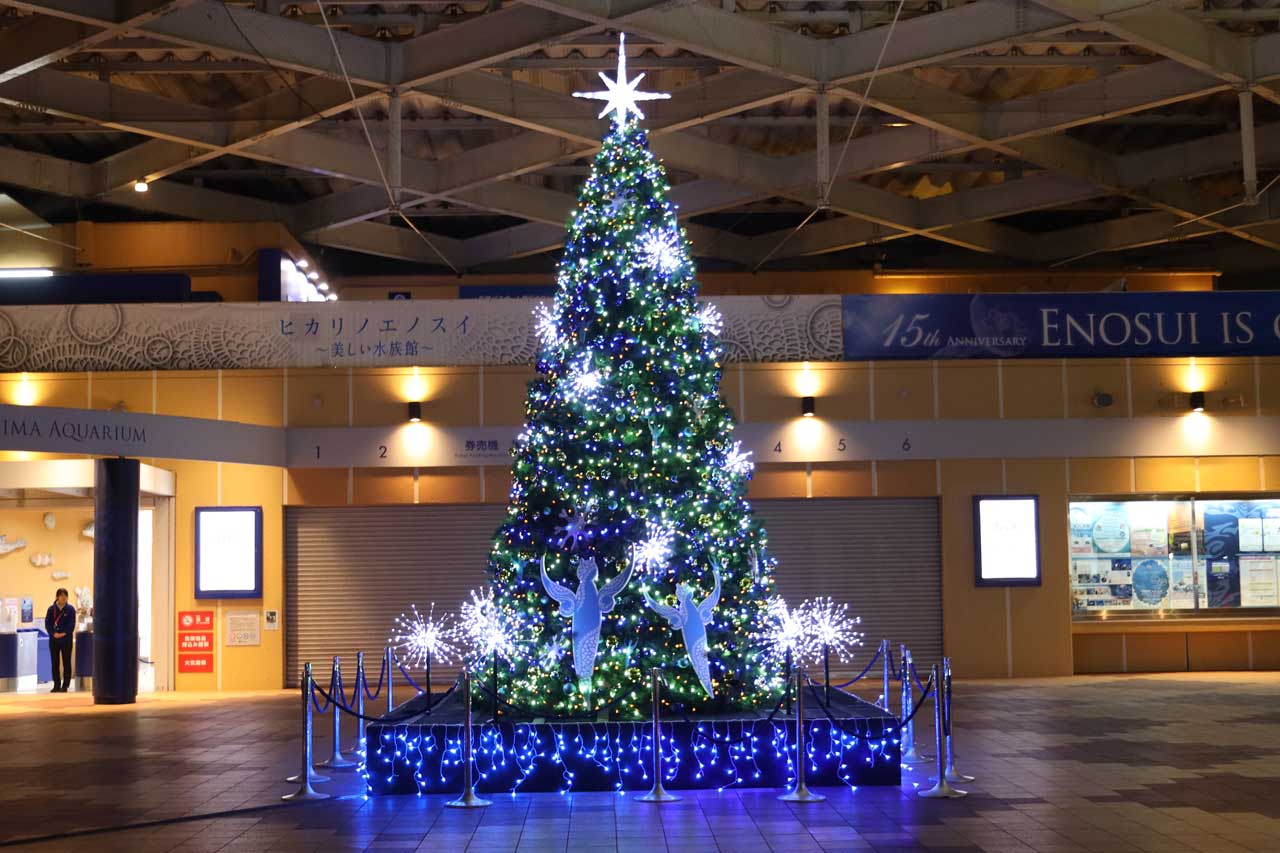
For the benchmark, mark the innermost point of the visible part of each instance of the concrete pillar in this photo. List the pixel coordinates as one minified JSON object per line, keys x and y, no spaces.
{"x":115,"y":582}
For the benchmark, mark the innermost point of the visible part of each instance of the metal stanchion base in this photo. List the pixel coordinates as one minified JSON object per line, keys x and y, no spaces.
{"x":306,"y":792}
{"x":310,"y":779}
{"x":468,"y":800}
{"x":659,"y":794}
{"x":914,"y":757}
{"x":802,"y":795}
{"x":953,"y":775}
{"x":337,"y":762}
{"x":943,"y":791}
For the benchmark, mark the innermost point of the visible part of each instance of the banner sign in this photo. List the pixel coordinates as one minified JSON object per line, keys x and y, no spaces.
{"x":195,"y":620}
{"x":1060,"y":325}
{"x":198,"y":662}
{"x":414,"y":332}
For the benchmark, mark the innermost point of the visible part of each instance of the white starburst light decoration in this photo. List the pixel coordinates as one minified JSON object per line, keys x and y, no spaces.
{"x":785,"y":632}
{"x":419,"y":638}
{"x":548,"y":328}
{"x":585,"y":379}
{"x":660,"y":250}
{"x":830,"y":626}
{"x":738,"y":462}
{"x":711,"y":319}
{"x":486,"y":628}
{"x":621,"y":96}
{"x":654,"y":551}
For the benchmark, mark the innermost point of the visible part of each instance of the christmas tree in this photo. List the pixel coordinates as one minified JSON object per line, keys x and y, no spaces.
{"x":628,"y":541}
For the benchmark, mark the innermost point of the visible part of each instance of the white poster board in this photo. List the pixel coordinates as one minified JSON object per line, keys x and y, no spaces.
{"x":244,"y":628}
{"x":1007,"y":540}
{"x":228,"y":552}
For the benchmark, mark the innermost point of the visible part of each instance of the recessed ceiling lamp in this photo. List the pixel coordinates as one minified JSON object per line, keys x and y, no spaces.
{"x":140,"y":186}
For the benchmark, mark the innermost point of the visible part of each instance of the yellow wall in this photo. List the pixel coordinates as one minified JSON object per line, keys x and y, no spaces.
{"x":985,"y":630}
{"x":71,"y":550}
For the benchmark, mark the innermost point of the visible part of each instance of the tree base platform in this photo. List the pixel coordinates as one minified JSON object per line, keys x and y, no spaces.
{"x":849,"y":742}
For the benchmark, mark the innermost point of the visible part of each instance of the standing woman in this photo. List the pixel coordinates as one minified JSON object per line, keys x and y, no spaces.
{"x":60,"y":625}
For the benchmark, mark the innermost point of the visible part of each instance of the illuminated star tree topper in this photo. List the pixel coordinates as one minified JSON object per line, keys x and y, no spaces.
{"x":620,"y":96}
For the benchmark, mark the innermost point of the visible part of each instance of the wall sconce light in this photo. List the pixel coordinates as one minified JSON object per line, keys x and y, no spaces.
{"x":807,"y":407}
{"x":415,"y":412}
{"x":1196,"y":401}
{"x":140,"y":186}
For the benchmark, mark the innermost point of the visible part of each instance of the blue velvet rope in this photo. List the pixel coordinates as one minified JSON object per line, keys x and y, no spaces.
{"x":853,"y":680}
{"x":382,"y":677}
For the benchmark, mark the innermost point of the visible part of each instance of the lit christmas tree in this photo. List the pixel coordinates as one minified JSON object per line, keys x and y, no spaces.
{"x":628,"y":541}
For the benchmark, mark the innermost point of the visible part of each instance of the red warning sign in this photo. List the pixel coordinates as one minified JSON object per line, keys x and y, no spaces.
{"x":195,"y":620}
{"x":202,"y":662}
{"x":195,"y":641}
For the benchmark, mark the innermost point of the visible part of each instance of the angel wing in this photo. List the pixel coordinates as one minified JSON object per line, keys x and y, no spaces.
{"x":561,"y":594}
{"x":709,"y":603}
{"x":671,"y":614}
{"x":609,"y":592}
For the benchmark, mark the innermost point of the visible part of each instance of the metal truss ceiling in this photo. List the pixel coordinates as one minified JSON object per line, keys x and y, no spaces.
{"x":998,"y":131}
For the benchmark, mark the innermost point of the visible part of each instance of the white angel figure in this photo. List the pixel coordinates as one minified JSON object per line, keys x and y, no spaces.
{"x":585,"y":609}
{"x":692,"y":618}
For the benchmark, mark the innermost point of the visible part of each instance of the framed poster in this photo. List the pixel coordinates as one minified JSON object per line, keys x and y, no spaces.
{"x":1006,"y":540}
{"x":229,"y":552}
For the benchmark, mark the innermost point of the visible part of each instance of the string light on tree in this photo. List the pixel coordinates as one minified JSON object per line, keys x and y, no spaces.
{"x":628,"y":536}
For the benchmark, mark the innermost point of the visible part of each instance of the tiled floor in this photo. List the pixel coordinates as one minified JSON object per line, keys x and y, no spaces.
{"x":1156,"y":763}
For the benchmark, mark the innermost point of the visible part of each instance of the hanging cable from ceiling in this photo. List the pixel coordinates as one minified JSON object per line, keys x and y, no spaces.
{"x":824,"y":197}
{"x":392,"y":201}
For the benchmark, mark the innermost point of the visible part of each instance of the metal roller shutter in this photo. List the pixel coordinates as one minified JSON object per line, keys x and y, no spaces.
{"x":881,"y":557}
{"x":350,"y":571}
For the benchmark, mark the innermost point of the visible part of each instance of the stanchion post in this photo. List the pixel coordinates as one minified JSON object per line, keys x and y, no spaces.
{"x":657,"y":794}
{"x":336,"y":760}
{"x":306,"y":776}
{"x":909,"y":753}
{"x":952,"y":774}
{"x":885,"y":699}
{"x":786,"y":681}
{"x":468,"y":800}
{"x":941,"y":789}
{"x":826,"y":671}
{"x":362,"y":682}
{"x":389,"y":656}
{"x":801,"y":794}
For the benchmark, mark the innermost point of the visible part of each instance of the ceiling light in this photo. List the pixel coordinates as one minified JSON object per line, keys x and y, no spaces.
{"x":302,"y":263}
{"x":897,"y":124}
{"x":333,"y":297}
{"x":313,"y":275}
{"x":1196,"y":401}
{"x":140,"y":186}
{"x":26,"y":273}
{"x":323,"y":286}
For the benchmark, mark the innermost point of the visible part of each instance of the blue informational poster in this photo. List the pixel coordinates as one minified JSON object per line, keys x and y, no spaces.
{"x":1223,"y":583}
{"x":1151,"y":582}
